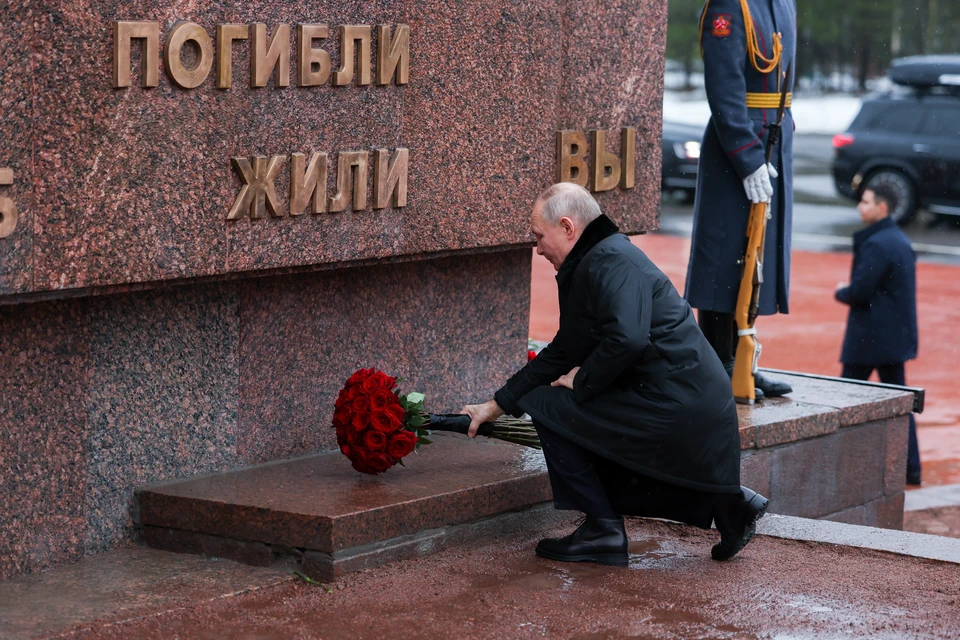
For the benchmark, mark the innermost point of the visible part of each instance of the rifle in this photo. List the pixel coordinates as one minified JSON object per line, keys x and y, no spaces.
{"x":748,"y":298}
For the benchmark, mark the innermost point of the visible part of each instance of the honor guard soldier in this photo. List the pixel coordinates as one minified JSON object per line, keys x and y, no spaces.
{"x":747,"y":47}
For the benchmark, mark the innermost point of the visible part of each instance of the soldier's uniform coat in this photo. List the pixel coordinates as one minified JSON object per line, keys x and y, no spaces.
{"x":733,"y":147}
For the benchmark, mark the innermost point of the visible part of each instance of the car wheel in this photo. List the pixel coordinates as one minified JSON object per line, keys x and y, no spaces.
{"x":903,"y":187}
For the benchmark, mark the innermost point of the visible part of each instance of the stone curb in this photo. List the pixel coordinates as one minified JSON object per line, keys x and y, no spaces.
{"x":905,"y":543}
{"x":932,"y":498}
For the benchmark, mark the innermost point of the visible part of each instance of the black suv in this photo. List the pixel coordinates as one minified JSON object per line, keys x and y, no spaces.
{"x":908,"y":138}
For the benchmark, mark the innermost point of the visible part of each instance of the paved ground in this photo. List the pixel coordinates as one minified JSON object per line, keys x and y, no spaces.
{"x":934,"y":510}
{"x":775,"y":589}
{"x":937,"y":521}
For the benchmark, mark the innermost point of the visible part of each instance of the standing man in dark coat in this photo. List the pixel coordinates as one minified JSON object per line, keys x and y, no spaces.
{"x":634,"y":411}
{"x":746,"y":53}
{"x":882,"y":294}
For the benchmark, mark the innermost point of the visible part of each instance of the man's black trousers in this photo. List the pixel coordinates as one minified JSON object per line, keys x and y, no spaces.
{"x":890,"y":374}
{"x":584,"y":481}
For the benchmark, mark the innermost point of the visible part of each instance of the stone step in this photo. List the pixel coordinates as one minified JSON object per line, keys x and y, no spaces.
{"x":333,"y":520}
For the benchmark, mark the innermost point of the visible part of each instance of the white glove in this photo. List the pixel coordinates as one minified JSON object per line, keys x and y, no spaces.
{"x":757,"y":184}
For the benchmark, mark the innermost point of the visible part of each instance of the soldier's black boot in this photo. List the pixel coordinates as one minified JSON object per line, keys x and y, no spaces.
{"x":736,"y":516}
{"x":600,"y":540}
{"x":771,"y":388}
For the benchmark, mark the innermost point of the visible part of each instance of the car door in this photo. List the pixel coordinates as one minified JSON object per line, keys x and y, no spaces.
{"x":937,"y":150}
{"x":886,"y":135}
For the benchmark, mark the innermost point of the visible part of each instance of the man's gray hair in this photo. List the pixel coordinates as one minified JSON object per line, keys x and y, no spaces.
{"x":570,"y":200}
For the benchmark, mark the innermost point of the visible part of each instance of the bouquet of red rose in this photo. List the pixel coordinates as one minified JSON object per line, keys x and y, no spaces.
{"x":377,"y":426}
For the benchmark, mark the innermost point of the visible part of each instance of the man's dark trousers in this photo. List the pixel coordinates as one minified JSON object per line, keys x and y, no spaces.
{"x":573,"y":477}
{"x":890,"y":374}
{"x":583,"y":481}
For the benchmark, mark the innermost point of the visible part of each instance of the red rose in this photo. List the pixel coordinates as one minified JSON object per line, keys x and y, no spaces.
{"x":345,"y":449}
{"x":382,"y":399}
{"x":384,"y":422}
{"x":360,"y":459}
{"x":399,"y":413}
{"x":378,"y":380}
{"x":362,"y":403}
{"x":361,"y":420}
{"x":354,"y":436}
{"x":359,"y":376}
{"x":378,"y":462}
{"x":375,"y":440}
{"x":343,"y":415}
{"x":401,"y":443}
{"x":354,"y":393}
{"x":531,"y":355}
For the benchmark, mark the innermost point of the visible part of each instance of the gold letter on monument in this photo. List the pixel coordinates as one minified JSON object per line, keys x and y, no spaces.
{"x":8,"y":208}
{"x":181,"y":34}
{"x":226,"y":34}
{"x":304,"y":184}
{"x":606,"y":166}
{"x":258,"y":192}
{"x":393,"y":54}
{"x":348,"y":34}
{"x":390,"y":180}
{"x":628,"y":153}
{"x":355,"y":162}
{"x":571,"y":166}
{"x":271,"y":57}
{"x":307,"y":56}
{"x":123,"y":33}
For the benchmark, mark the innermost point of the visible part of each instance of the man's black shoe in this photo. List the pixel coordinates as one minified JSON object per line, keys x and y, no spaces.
{"x":600,"y":540}
{"x":736,"y":516}
{"x":771,"y":388}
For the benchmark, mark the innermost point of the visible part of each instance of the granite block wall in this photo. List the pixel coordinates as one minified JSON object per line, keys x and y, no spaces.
{"x":105,"y":394}
{"x":855,"y":474}
{"x":133,"y":185}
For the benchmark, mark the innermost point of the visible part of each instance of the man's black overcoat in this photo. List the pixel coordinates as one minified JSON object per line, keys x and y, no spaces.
{"x":651,"y":394}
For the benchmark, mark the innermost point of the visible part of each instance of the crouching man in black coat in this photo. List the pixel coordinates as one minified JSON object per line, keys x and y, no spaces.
{"x":634,"y":409}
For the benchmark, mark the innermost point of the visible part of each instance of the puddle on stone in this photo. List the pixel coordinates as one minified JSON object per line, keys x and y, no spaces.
{"x":529,"y":576}
{"x":647,"y":553}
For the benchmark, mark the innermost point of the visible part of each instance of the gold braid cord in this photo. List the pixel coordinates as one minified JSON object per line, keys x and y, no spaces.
{"x":760,"y":62}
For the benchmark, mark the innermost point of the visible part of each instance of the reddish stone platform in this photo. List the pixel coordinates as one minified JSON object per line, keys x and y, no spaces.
{"x":335,"y":520}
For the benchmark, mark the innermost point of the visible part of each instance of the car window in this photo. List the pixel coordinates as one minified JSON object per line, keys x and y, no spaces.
{"x":896,"y":118}
{"x":942,"y":121}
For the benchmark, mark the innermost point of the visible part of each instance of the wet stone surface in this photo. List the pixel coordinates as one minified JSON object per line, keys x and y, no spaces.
{"x":774,"y":588}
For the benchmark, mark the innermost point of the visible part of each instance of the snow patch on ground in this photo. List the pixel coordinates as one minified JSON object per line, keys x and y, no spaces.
{"x":828,"y":114}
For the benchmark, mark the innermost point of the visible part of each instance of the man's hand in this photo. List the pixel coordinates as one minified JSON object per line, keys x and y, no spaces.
{"x":566,"y":380}
{"x":480,"y":413}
